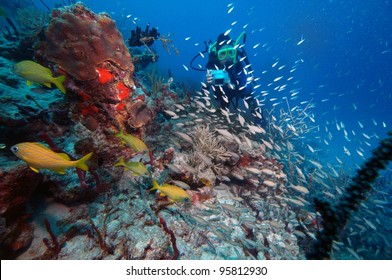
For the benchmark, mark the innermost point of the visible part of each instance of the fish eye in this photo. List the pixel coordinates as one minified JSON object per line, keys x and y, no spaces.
{"x":14,"y":149}
{"x":186,"y":199}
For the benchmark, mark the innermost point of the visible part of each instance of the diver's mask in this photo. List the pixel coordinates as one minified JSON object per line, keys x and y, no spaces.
{"x":227,"y":52}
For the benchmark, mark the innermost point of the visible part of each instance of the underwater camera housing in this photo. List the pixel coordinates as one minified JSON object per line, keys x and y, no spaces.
{"x":220,"y":77}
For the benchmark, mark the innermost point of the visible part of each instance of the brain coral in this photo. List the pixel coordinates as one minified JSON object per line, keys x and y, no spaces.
{"x":78,"y":40}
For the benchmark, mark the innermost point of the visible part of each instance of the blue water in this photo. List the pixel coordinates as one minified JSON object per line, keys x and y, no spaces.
{"x":344,"y":66}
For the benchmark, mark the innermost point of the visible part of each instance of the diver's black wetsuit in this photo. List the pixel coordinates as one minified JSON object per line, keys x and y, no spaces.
{"x":241,"y":83}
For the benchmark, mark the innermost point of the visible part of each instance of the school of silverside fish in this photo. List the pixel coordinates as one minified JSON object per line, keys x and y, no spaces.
{"x":195,"y":182}
{"x":244,"y":204}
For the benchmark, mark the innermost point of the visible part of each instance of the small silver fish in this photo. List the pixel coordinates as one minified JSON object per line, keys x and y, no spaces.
{"x":185,"y":137}
{"x":225,"y":133}
{"x":301,"y":41}
{"x":181,"y":184}
{"x":204,"y":158}
{"x":228,"y":31}
{"x":173,"y":168}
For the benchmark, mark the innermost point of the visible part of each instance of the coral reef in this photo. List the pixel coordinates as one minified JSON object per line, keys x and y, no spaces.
{"x":99,"y":81}
{"x":31,"y":21}
{"x":16,"y":190}
{"x":139,"y":38}
{"x":99,"y":68}
{"x":79,"y":53}
{"x":139,"y":114}
{"x":248,"y":184}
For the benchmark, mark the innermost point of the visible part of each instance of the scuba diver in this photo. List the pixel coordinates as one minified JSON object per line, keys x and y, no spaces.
{"x":229,"y":74}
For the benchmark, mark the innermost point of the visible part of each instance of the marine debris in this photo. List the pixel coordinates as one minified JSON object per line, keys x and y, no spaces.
{"x":335,"y":216}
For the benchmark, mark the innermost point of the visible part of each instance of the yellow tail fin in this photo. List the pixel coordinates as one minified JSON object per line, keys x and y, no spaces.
{"x":155,"y":185}
{"x":58,"y":81}
{"x":120,"y":134}
{"x":81,"y":163}
{"x":120,"y":162}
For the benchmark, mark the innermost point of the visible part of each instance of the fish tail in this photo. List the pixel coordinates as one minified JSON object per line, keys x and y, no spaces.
{"x":155,"y":185}
{"x":120,"y":134}
{"x":120,"y":162}
{"x":81,"y":163}
{"x":58,"y":81}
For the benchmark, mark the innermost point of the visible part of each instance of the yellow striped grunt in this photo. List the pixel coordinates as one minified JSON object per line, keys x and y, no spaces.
{"x":138,"y":168}
{"x":173,"y":192}
{"x":34,"y":72}
{"x":133,"y":142}
{"x":38,"y":156}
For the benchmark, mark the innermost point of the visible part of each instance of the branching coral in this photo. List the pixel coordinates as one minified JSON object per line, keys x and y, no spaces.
{"x":156,"y":81}
{"x":166,"y":40}
{"x":173,"y":239}
{"x":54,"y":245}
{"x":207,"y":144}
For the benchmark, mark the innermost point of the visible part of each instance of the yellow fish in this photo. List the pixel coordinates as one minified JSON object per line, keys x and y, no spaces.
{"x":173,"y":192}
{"x":133,"y":142}
{"x":138,"y":168}
{"x":38,"y":156}
{"x":206,"y":182}
{"x":34,"y":72}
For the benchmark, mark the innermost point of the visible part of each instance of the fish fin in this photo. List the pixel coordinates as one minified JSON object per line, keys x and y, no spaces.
{"x":120,"y":162}
{"x":58,"y":81}
{"x":29,"y":83}
{"x":34,"y":169}
{"x":81,"y":163}
{"x":155,"y":185}
{"x":60,"y":171}
{"x":49,"y":85}
{"x":64,"y":156}
{"x":120,"y":134}
{"x":162,"y":194}
{"x":43,"y":146}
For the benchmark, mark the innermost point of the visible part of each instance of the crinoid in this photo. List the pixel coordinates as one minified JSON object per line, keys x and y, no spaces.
{"x":208,"y":149}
